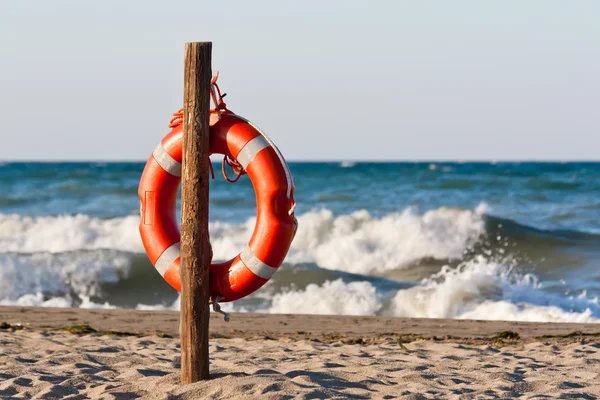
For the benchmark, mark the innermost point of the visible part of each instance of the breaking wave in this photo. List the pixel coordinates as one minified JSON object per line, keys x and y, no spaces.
{"x":338,"y":264}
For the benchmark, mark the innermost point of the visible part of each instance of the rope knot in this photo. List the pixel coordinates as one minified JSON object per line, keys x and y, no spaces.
{"x":235,"y":166}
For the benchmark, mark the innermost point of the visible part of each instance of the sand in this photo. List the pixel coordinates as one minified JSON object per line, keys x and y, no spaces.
{"x":333,"y":357}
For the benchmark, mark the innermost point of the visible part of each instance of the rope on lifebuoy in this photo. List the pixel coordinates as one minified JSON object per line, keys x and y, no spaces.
{"x":235,"y":166}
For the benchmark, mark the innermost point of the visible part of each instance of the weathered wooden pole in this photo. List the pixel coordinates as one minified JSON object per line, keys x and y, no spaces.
{"x":196,"y":252}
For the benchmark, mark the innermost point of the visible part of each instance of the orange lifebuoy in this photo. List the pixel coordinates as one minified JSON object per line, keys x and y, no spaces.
{"x":237,"y":139}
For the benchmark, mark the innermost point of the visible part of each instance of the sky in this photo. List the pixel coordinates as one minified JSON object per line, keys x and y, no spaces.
{"x":326,"y":80}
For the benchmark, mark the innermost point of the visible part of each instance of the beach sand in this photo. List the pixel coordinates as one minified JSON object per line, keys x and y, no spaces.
{"x":123,"y":354}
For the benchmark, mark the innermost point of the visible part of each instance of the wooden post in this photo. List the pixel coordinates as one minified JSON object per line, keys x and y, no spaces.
{"x":196,"y":252}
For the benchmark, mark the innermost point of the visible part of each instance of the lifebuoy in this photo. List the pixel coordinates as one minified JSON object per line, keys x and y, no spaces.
{"x":237,"y":139}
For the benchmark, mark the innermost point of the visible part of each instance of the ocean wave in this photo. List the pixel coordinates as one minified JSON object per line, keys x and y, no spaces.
{"x":332,"y":297}
{"x":357,"y":242}
{"x":82,"y":278}
{"x":478,"y":289}
{"x":25,"y":234}
{"x":39,"y":299}
{"x":517,"y":231}
{"x":80,"y":273}
{"x":484,"y":289}
{"x":337,"y":264}
{"x":360,"y":243}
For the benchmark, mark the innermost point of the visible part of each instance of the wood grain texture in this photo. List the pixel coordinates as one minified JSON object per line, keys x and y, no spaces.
{"x":196,"y":251}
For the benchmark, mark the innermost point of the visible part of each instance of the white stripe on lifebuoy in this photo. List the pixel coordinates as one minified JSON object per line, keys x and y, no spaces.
{"x":286,"y":168}
{"x":168,"y":257}
{"x":165,"y":160}
{"x":255,"y":265}
{"x":251,"y":150}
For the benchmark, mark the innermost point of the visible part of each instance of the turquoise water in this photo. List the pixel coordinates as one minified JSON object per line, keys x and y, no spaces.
{"x":456,"y":240}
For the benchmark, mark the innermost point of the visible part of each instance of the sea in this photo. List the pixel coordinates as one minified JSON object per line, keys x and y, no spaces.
{"x":486,"y":240}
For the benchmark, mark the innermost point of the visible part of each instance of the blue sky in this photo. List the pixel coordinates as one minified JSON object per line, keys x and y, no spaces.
{"x":326,"y":80}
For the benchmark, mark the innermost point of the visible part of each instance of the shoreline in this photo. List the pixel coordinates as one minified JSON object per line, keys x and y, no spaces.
{"x":326,"y":328}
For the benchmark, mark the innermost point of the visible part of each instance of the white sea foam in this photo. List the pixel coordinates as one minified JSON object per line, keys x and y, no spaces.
{"x":39,"y":300}
{"x":54,"y":234}
{"x":173,"y":306}
{"x":360,"y":243}
{"x":333,"y":297}
{"x":24,"y":278}
{"x":476,"y":290}
{"x":481,"y":289}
